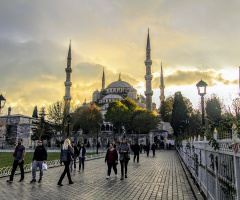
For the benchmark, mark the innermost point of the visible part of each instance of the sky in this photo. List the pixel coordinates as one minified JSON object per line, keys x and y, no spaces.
{"x":193,"y":40}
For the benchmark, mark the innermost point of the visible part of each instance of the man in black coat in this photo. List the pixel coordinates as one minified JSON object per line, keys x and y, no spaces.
{"x":147,"y":148}
{"x":136,"y":150}
{"x":153,"y":148}
{"x":40,"y":156}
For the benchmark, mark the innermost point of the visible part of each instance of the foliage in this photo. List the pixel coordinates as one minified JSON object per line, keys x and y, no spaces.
{"x":88,"y":118}
{"x":42,"y":131}
{"x":213,"y":142}
{"x":35,"y":112}
{"x":195,"y":123}
{"x":144,"y":121}
{"x":57,"y":113}
{"x":213,"y":111}
{"x":119,"y":113}
{"x":166,"y":109}
{"x":236,"y":106}
{"x":179,"y":114}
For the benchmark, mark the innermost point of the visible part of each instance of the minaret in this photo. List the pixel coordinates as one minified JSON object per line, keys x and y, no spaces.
{"x":103,"y":80}
{"x":148,"y":76}
{"x":119,"y":78}
{"x":162,"y":97}
{"x":68,"y":82}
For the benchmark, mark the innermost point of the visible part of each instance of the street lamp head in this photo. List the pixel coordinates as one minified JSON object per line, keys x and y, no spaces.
{"x":68,"y":118}
{"x":2,"y":101}
{"x":201,"y":86}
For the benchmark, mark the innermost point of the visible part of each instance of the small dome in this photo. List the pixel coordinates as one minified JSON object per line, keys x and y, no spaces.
{"x":132,"y":90}
{"x":96,"y":92}
{"x":119,"y":84}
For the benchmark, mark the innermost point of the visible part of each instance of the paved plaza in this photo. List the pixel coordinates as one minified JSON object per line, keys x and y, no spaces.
{"x":159,"y":177}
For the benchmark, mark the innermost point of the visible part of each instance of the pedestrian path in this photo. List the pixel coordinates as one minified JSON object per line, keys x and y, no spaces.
{"x":159,"y":177}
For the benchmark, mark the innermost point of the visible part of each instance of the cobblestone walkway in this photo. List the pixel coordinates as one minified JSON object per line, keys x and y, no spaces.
{"x":159,"y":177}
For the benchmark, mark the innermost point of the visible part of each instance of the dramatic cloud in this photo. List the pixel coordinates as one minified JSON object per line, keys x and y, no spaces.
{"x":193,"y":40}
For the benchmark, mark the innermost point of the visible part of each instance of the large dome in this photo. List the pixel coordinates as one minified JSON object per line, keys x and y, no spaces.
{"x":119,"y":84}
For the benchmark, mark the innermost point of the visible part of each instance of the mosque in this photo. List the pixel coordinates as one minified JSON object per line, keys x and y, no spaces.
{"x":119,"y":89}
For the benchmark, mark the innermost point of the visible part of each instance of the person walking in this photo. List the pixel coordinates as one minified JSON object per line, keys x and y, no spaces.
{"x":82,"y":152}
{"x":124,"y":151}
{"x":19,"y":154}
{"x":76,"y":153}
{"x":39,"y":156}
{"x":153,"y":148}
{"x":136,"y":150}
{"x":66,"y":153}
{"x":112,"y":160}
{"x":147,"y":148}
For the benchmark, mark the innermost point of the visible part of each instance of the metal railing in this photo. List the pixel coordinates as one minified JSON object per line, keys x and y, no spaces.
{"x":215,"y":168}
{"x":6,"y":171}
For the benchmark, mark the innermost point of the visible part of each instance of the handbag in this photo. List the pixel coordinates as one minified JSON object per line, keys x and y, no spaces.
{"x":44,"y":166}
{"x":126,"y":157}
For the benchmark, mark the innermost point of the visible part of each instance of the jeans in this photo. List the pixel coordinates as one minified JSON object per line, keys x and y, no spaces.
{"x":35,"y":165}
{"x":136,"y":155}
{"x":73,"y":162}
{"x":15,"y":164}
{"x":66,"y":171}
{"x":123,"y":165}
{"x":153,"y":152}
{"x":81,"y":161}
{"x":110,"y":166}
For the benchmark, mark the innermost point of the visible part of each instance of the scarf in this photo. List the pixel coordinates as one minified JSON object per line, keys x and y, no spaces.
{"x":15,"y":152}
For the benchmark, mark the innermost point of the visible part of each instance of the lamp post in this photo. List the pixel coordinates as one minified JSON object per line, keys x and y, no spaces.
{"x":97,"y":134}
{"x":201,"y":86}
{"x":2,"y":102}
{"x":68,"y":121}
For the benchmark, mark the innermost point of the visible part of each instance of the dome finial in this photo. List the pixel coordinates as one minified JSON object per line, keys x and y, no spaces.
{"x":119,"y":79}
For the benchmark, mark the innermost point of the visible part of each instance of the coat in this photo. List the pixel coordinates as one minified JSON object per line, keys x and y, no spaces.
{"x":123,"y":147}
{"x":40,"y":154}
{"x":66,"y":155}
{"x":83,"y":152}
{"x":115,"y":155}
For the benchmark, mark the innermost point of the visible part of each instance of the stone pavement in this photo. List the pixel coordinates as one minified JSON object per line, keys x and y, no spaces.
{"x":159,"y":177}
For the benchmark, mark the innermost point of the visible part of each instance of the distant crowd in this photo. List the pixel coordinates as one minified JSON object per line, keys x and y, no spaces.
{"x":69,"y":154}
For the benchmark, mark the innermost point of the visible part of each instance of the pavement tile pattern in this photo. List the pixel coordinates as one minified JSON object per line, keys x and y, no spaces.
{"x":159,"y":177}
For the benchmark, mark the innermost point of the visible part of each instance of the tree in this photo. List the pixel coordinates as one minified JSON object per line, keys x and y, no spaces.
{"x":195,"y":123}
{"x":236,"y":106}
{"x":35,"y":112}
{"x":42,"y":131}
{"x":179,"y":114}
{"x":166,"y":109}
{"x":144,"y":121}
{"x":87,"y":118}
{"x":213,"y":111}
{"x":57,"y":114}
{"x":118,"y":114}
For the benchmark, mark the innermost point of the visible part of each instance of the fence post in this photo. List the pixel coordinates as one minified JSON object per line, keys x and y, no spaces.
{"x":206,"y":164}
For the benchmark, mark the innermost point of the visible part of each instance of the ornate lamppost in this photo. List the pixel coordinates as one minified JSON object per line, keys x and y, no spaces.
{"x":2,"y":102}
{"x":201,"y":86}
{"x":68,"y":121}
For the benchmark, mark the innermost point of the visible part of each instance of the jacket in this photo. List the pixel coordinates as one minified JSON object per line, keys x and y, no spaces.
{"x":83,"y":152}
{"x":123,"y":147}
{"x":76,"y":152}
{"x":115,"y":155}
{"x":66,"y":154}
{"x":40,"y":154}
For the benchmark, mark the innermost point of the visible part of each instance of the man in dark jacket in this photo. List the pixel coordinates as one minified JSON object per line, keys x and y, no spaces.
{"x":153,"y":148}
{"x":147,"y":148}
{"x":136,"y":150}
{"x":76,"y":153}
{"x":40,"y":156}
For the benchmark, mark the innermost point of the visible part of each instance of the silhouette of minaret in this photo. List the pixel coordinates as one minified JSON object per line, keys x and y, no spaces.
{"x":162,"y":97}
{"x":103,"y":80}
{"x":148,"y":76}
{"x":68,"y":82}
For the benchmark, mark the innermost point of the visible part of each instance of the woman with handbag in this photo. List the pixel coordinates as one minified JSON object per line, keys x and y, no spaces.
{"x":66,"y":157}
{"x":124,"y":151}
{"x":112,"y":160}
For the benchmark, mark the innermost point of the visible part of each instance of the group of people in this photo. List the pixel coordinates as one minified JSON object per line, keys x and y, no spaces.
{"x":68,"y":156}
{"x":136,"y":148}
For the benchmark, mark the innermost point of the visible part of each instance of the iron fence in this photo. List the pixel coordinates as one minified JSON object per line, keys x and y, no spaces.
{"x":6,"y":171}
{"x":216,"y":171}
